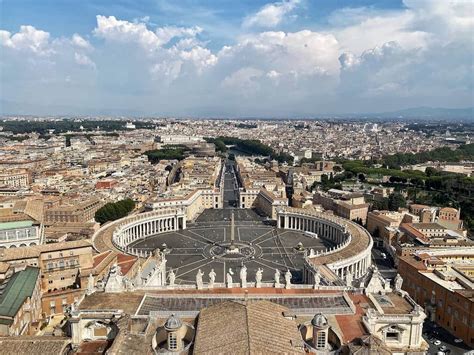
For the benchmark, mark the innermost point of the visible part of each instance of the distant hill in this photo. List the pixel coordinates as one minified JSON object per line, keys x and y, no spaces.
{"x":426,"y":113}
{"x":422,"y":113}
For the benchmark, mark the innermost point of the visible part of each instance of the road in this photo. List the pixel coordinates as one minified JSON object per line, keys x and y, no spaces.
{"x":231,"y":189}
{"x":432,"y":332}
{"x":386,"y":265}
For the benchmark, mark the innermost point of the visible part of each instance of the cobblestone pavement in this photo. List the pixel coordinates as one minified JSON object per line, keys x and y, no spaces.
{"x":202,"y":246}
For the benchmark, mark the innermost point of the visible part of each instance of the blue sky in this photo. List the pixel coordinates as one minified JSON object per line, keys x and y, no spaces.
{"x":234,"y":58}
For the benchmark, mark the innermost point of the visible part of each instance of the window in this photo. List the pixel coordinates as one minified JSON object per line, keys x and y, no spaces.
{"x":392,"y":336}
{"x":321,"y":339}
{"x":173,"y":342}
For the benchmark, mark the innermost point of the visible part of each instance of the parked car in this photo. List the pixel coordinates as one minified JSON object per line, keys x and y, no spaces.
{"x":437,"y":342}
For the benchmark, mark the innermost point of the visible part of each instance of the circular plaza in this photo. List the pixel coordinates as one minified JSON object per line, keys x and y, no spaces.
{"x":207,"y":245}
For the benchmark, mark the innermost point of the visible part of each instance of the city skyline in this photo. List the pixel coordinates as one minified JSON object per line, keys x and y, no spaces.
{"x":291,"y":58}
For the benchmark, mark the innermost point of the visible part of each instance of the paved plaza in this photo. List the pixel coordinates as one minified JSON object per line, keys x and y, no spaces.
{"x":203,"y":244}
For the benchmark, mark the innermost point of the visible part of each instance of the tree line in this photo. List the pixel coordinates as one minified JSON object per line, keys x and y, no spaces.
{"x":249,"y":146}
{"x":114,"y":210}
{"x":444,"y":154}
{"x":168,"y":152}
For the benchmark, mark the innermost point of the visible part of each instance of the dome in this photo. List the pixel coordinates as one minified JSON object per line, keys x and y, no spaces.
{"x":319,"y":320}
{"x":173,"y":323}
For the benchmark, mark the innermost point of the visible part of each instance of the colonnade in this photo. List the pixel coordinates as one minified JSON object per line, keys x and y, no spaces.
{"x":145,"y":225}
{"x":350,"y":258}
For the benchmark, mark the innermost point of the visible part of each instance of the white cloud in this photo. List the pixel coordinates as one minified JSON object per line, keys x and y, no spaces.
{"x":80,"y":42}
{"x":111,"y":29}
{"x":271,"y":15}
{"x":27,"y":39}
{"x":366,"y":58}
{"x":84,"y":60}
{"x":167,"y":33}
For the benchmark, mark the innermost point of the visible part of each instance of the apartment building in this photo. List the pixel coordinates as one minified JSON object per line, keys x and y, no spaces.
{"x":442,"y":283}
{"x":343,"y":203}
{"x":73,"y":212}
{"x":60,"y":265}
{"x":20,"y":301}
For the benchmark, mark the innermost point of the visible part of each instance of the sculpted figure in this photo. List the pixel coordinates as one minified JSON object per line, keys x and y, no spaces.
{"x":212,"y":278}
{"x":277,"y":278}
{"x":288,"y":277}
{"x":199,"y":279}
{"x":258,"y":278}
{"x":229,"y":278}
{"x":243,"y":276}
{"x":172,"y":277}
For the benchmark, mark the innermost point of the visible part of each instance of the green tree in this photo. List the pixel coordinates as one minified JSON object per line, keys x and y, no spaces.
{"x":112,"y":211}
{"x":395,"y":201}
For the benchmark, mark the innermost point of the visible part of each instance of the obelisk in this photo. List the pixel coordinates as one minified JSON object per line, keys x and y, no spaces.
{"x":232,"y":247}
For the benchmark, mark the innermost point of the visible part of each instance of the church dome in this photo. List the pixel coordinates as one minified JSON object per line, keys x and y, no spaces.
{"x":319,"y":320}
{"x":173,"y":323}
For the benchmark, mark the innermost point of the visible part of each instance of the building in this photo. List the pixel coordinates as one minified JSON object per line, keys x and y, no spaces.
{"x":249,"y":325}
{"x":73,"y":212}
{"x":173,"y":139}
{"x":60,"y":265}
{"x":344,"y":204}
{"x":252,"y":179}
{"x":15,"y":178}
{"x":442,"y":283}
{"x":383,"y":226}
{"x":199,"y":186}
{"x":448,"y":217}
{"x":20,"y":231}
{"x":20,"y":302}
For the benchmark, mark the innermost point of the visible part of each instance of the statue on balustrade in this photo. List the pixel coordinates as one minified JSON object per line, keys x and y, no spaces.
{"x":277,"y":278}
{"x":199,"y":283}
{"x":172,"y":277}
{"x":258,"y":278}
{"x":288,"y":277}
{"x":229,"y":278}
{"x":212,"y":278}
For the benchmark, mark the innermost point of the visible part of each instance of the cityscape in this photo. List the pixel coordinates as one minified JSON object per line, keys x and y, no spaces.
{"x":227,"y":212}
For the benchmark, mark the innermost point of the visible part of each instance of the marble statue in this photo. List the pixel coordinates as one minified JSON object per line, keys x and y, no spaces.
{"x":243,"y":276}
{"x":172,"y":277}
{"x":138,"y":276}
{"x":317,"y":279}
{"x":199,"y":279}
{"x":258,"y":278}
{"x":229,"y":278}
{"x":349,"y":279}
{"x":311,"y":253}
{"x":398,"y":282}
{"x":129,"y":286}
{"x":212,"y":278}
{"x":277,"y":278}
{"x":288,"y":277}
{"x":90,"y":284}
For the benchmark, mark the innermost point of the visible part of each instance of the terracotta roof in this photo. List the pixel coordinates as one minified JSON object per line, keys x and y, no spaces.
{"x":33,"y":345}
{"x":257,"y":327}
{"x":35,"y":251}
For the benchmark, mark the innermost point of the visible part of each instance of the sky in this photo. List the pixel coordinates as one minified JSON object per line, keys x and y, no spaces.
{"x":229,"y":58}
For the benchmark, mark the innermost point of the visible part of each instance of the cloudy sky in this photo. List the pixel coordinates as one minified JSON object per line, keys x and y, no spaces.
{"x":234,"y":58}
